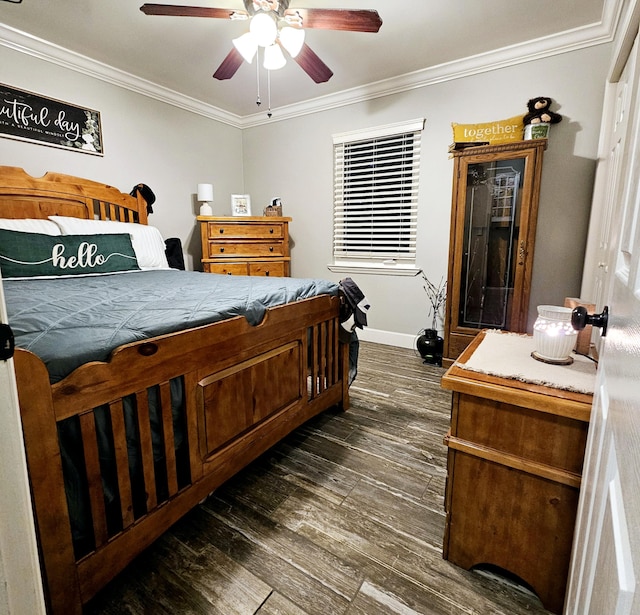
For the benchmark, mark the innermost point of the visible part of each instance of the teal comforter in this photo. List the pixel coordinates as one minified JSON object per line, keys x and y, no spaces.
{"x":70,"y":321}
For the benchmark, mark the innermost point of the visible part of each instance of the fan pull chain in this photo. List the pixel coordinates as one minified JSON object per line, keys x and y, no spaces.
{"x":269,"y":114}
{"x":258,"y":101}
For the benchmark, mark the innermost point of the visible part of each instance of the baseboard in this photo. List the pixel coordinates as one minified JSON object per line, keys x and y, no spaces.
{"x":389,"y":338}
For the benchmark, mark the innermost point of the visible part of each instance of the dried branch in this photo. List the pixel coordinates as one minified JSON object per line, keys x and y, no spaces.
{"x":437,"y":296}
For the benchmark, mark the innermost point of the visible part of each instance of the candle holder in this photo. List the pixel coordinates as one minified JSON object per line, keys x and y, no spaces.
{"x":553,"y":335}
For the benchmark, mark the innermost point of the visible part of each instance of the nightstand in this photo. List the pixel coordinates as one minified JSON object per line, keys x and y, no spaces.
{"x":515,"y":455}
{"x":251,"y":245}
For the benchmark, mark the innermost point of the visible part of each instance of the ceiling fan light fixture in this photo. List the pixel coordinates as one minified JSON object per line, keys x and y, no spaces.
{"x":264,"y":29}
{"x":266,"y":5}
{"x":273,"y":57}
{"x":246,"y":46}
{"x":292,"y":39}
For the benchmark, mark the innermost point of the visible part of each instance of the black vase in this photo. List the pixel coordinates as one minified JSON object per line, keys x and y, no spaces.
{"x":430,"y":346}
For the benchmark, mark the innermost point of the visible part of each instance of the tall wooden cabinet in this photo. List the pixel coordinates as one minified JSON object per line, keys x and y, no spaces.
{"x":494,"y":210}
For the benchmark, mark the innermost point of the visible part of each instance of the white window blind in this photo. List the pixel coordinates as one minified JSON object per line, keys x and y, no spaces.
{"x":376,"y":178}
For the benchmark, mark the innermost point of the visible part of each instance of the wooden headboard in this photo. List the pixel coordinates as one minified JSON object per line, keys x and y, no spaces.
{"x":23,"y":196}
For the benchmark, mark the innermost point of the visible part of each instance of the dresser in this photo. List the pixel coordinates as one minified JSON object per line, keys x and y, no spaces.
{"x":255,"y":245}
{"x":514,"y":464}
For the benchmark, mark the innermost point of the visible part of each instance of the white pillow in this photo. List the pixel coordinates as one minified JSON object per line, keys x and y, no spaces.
{"x":30,"y":225}
{"x":147,"y":241}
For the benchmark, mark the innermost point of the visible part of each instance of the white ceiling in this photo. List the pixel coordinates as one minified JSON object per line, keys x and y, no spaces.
{"x":181,"y":53}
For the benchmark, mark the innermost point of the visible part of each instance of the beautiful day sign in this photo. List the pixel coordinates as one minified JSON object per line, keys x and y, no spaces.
{"x":29,"y":117}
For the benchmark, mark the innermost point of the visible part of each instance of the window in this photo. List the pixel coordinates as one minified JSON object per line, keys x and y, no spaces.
{"x":376,"y":175}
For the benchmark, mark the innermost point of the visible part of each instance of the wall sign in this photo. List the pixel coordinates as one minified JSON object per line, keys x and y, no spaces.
{"x":501,"y":131}
{"x":29,"y":117}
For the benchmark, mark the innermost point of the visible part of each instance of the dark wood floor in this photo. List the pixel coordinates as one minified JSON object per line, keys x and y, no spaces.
{"x":345,"y":516}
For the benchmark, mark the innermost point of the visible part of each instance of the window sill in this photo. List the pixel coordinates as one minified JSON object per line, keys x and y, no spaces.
{"x":376,"y":269}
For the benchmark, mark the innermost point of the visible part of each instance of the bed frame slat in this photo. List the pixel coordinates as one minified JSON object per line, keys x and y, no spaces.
{"x":323,"y":358}
{"x":169,"y":442}
{"x":122,"y":462}
{"x":335,"y":355}
{"x":195,"y":426}
{"x":146,"y":449}
{"x":94,"y":477}
{"x":314,"y":361}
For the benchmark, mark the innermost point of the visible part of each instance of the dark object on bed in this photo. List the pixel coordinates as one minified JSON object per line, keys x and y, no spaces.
{"x":173,"y":250}
{"x":146,"y":193}
{"x":181,"y":412}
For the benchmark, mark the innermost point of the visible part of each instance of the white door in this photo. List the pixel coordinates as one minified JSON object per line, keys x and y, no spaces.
{"x":20,"y":581}
{"x":618,"y":109}
{"x":605,"y":571}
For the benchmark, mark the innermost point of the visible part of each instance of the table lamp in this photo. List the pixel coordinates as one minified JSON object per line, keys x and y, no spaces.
{"x":205,"y":196}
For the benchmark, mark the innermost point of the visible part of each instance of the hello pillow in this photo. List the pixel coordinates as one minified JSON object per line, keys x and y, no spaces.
{"x":28,"y":255}
{"x":147,"y":240}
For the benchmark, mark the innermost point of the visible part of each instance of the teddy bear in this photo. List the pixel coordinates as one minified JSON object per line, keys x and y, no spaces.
{"x":539,"y":111}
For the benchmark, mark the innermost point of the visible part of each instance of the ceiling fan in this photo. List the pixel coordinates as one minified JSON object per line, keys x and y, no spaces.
{"x":274,"y":26}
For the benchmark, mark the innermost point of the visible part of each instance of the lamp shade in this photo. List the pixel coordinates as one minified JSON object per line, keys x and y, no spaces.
{"x":205,"y":192}
{"x":247,"y":46}
{"x":292,"y":40}
{"x":273,"y":57}
{"x":264,"y":29}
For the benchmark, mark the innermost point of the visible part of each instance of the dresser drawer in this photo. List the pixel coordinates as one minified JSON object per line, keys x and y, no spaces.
{"x":226,"y":268}
{"x":219,"y":249}
{"x":271,"y":268}
{"x":259,"y":230}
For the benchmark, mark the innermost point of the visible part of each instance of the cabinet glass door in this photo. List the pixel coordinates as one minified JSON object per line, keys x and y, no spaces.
{"x":491,"y":226}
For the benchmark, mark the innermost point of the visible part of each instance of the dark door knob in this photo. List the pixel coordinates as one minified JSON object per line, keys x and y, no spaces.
{"x":580,"y":319}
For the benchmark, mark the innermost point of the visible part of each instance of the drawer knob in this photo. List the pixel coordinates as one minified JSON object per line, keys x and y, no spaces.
{"x":266,"y":273}
{"x":270,"y":248}
{"x":221,"y":231}
{"x":221,"y":249}
{"x":271,"y":231}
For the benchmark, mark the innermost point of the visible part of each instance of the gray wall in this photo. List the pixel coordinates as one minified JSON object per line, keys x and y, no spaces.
{"x":172,"y":150}
{"x":293,"y":159}
{"x":145,"y":141}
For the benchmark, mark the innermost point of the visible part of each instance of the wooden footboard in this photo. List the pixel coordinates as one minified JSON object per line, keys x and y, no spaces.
{"x":242,"y":389}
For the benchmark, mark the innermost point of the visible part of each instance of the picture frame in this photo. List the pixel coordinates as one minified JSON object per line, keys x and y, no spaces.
{"x":33,"y":118}
{"x":240,"y":205}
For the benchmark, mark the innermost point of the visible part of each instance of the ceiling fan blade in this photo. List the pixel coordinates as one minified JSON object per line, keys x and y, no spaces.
{"x":313,"y":65}
{"x":173,"y":10}
{"x":338,"y":19}
{"x":229,"y":65}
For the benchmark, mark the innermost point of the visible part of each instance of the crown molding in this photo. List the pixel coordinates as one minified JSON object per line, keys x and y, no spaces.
{"x":44,"y":50}
{"x":572,"y":40}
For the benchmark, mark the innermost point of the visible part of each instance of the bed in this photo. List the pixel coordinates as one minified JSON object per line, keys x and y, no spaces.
{"x":171,"y":396}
